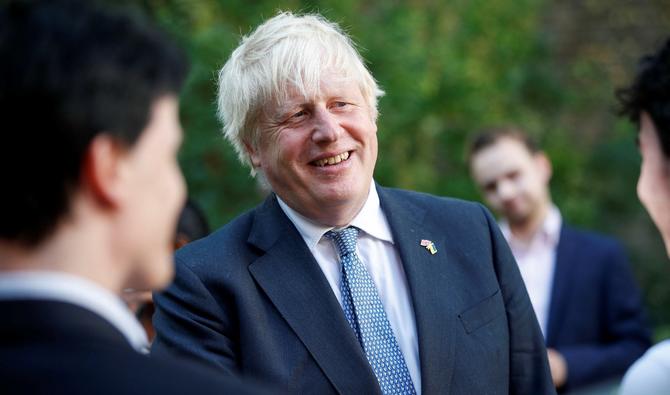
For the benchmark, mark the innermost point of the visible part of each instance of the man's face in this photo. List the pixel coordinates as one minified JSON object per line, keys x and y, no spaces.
{"x":156,"y":194}
{"x":514,"y":181}
{"x":653,"y":186}
{"x":319,"y":153}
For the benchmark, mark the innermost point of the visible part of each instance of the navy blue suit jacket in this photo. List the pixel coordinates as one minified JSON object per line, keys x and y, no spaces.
{"x":251,"y":298}
{"x":596,"y":317}
{"x":53,"y":348}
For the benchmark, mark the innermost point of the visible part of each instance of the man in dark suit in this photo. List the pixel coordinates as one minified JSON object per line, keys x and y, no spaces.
{"x":581,"y":287}
{"x":335,"y":284}
{"x":91,"y":193}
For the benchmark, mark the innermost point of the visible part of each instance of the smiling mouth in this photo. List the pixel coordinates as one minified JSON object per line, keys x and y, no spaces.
{"x":333,"y":160}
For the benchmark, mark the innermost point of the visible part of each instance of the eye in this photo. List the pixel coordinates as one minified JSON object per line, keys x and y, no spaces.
{"x":513,"y":175}
{"x":299,"y":114}
{"x":339,"y":104}
{"x":296,"y":116}
{"x":490,"y":187}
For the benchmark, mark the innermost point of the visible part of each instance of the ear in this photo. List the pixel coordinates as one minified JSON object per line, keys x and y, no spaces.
{"x":103,"y":174}
{"x":254,"y":154}
{"x":544,"y":166}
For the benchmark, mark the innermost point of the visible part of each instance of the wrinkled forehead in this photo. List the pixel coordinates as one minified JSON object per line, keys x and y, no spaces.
{"x":308,"y":77}
{"x":329,"y":82}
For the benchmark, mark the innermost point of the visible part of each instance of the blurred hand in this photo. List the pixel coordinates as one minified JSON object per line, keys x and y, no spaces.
{"x":558,"y":366}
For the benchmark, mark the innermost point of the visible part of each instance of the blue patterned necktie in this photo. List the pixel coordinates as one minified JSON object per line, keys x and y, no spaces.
{"x":366,"y":316}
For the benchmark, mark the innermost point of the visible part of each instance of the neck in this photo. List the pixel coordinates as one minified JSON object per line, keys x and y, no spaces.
{"x":74,"y":248}
{"x":336,"y":215}
{"x":526,"y":229}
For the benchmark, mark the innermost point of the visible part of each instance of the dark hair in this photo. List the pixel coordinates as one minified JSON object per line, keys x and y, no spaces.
{"x":192,"y":223}
{"x":650,"y":93}
{"x":489,"y":136}
{"x":68,"y":72}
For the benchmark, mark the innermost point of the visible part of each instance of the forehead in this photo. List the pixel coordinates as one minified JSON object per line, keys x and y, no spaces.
{"x":162,"y":132}
{"x":330,"y":85}
{"x":504,"y":156}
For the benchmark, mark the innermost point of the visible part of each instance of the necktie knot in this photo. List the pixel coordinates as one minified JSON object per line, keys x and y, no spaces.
{"x":345,"y":240}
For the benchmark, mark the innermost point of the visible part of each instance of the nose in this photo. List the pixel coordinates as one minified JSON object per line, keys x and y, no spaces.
{"x":326,"y":127}
{"x":506,"y":190}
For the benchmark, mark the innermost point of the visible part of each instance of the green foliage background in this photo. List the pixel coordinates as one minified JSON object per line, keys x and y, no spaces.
{"x":450,"y":68}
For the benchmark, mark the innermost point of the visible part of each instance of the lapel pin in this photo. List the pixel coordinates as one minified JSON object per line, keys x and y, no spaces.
{"x":430,"y":246}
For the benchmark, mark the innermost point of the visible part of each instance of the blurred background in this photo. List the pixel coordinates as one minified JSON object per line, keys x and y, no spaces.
{"x":449,"y":68}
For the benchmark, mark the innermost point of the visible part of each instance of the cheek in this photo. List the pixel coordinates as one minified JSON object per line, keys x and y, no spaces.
{"x":643,"y":187}
{"x":180,"y":185}
{"x":530,"y":186}
{"x":276,"y":151}
{"x":493,"y":199}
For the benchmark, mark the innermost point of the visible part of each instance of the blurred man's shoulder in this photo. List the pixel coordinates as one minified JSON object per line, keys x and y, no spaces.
{"x":590,"y":237}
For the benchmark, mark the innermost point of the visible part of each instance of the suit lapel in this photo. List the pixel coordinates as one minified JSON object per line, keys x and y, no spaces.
{"x":426,"y":275}
{"x":565,"y":253}
{"x":295,"y":284}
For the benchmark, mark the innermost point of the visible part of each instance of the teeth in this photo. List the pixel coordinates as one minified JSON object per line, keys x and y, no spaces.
{"x":332,"y":160}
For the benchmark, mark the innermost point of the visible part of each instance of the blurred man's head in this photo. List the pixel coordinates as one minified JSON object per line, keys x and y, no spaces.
{"x":300,"y":107}
{"x":647,"y":103}
{"x":512,"y":174}
{"x":89,"y":112}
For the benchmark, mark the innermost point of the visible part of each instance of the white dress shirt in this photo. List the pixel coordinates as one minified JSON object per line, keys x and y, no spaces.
{"x":375,"y":249}
{"x":62,"y":287}
{"x":537,"y":260}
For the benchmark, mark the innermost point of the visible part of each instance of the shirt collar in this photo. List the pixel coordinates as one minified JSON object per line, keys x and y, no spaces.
{"x":370,"y":219}
{"x":77,"y":291}
{"x":549,"y":232}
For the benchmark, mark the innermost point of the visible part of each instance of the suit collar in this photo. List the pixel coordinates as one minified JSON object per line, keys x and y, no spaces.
{"x":293,"y":281}
{"x":59,"y":286}
{"x":370,"y":219}
{"x":44,"y":319}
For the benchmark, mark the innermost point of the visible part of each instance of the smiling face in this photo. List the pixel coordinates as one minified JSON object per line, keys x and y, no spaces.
{"x":653,"y":186}
{"x":513,"y":180}
{"x":319,"y":152}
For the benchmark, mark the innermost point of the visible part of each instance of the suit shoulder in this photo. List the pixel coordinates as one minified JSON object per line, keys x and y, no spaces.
{"x":226,"y":244}
{"x":447,"y":210}
{"x":66,"y":367}
{"x":590,"y":239}
{"x":431,"y":201}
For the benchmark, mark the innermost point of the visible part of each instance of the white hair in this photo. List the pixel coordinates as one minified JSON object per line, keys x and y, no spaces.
{"x":286,"y":52}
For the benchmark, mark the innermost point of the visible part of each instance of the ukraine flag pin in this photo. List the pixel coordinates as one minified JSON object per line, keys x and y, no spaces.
{"x":430,"y":246}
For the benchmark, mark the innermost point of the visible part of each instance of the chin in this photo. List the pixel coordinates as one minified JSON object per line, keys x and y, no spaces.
{"x":163,"y":276}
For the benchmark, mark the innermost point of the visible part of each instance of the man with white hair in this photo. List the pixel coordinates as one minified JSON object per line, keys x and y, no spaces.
{"x":335,"y":284}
